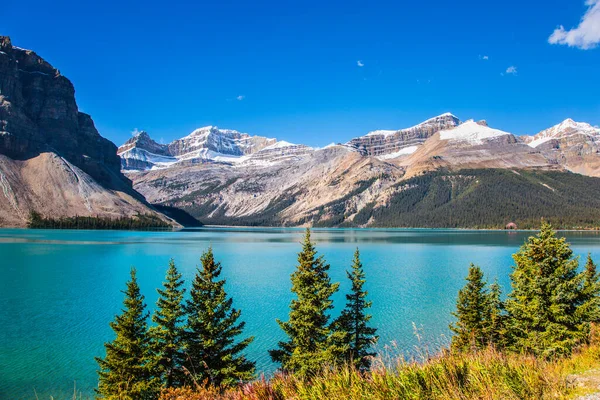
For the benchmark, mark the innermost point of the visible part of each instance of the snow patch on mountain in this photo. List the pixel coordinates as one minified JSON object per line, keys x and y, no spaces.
{"x":402,"y":152}
{"x":381,"y":132}
{"x":279,"y":145}
{"x":472,"y":133}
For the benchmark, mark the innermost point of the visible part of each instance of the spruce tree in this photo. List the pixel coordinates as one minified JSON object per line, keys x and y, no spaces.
{"x":167,"y":334}
{"x":590,"y":302}
{"x":494,"y":326}
{"x":213,"y":355}
{"x":352,"y":323}
{"x":309,"y":347}
{"x":125,"y":370}
{"x":473,"y":313}
{"x":544,"y":307}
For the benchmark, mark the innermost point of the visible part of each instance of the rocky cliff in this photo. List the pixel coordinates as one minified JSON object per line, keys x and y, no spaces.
{"x":52,"y":158}
{"x":388,"y":143}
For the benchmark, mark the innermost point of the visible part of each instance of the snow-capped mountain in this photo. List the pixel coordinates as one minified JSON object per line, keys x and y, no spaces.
{"x":207,"y":144}
{"x":391,"y":144}
{"x":575,"y":145}
{"x":566,"y":131}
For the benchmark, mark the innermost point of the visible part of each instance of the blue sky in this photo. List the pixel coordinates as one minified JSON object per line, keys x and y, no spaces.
{"x":291,"y":69}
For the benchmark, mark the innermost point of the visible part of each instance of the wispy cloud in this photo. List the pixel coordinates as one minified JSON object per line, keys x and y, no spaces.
{"x":512,"y":70}
{"x":360,"y":63}
{"x":485,"y":58}
{"x":240,"y":97}
{"x":135,"y":132}
{"x":586,"y":35}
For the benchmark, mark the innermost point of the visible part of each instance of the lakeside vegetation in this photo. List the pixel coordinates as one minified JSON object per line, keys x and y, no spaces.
{"x":137,"y":222}
{"x":521,"y":348}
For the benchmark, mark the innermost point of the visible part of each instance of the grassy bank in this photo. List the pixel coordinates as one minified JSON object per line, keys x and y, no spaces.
{"x":488,"y":374}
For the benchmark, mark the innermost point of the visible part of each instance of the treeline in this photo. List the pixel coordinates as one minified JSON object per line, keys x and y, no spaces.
{"x":137,"y":222}
{"x":193,"y":349}
{"x":489,"y":198}
{"x":196,"y":343}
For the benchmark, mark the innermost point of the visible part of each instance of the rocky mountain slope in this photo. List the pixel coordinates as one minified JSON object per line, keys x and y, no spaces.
{"x":52,"y":158}
{"x":351,"y":184}
{"x":576,"y":145}
{"x":389,"y":144}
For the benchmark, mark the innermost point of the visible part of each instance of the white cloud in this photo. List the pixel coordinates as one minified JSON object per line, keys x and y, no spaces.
{"x":135,"y":132}
{"x":586,"y":35}
{"x":485,"y":58}
{"x":360,"y":63}
{"x":512,"y":70}
{"x":240,"y":97}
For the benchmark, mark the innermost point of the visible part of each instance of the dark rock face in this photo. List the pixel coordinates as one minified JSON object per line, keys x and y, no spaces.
{"x":38,"y":113}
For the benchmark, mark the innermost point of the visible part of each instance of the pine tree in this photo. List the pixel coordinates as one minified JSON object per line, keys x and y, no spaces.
{"x":309,"y":348}
{"x":473,"y":312}
{"x":167,"y":334}
{"x":590,"y":302}
{"x":124,"y":372}
{"x":544,"y":306}
{"x":494,"y":326}
{"x":352,"y":323}
{"x":212,"y":354}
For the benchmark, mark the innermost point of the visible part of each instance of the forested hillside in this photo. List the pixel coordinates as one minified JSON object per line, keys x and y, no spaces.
{"x":490,"y":198}
{"x":473,"y":198}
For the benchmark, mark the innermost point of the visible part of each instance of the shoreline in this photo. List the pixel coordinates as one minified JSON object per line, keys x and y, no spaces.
{"x":300,"y":228}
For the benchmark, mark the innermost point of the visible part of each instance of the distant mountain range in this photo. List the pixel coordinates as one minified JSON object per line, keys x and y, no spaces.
{"x":442,"y":172}
{"x":227,"y":177}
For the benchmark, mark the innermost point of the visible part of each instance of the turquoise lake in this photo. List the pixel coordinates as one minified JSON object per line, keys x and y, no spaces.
{"x":60,"y":289}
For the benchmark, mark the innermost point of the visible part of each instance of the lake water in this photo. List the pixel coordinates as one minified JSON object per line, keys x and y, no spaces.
{"x":60,"y":289}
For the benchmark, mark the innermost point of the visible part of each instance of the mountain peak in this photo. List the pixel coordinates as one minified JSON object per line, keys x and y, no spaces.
{"x":5,"y":42}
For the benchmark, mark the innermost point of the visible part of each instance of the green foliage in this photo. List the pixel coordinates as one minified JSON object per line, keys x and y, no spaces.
{"x":310,"y":347}
{"x":212,"y":354}
{"x":478,"y":314}
{"x":495,"y":328}
{"x":544,"y":307}
{"x":491,"y":198}
{"x":352,"y":324}
{"x":166,"y":336}
{"x":139,"y":222}
{"x":125,"y":370}
{"x":590,"y":302}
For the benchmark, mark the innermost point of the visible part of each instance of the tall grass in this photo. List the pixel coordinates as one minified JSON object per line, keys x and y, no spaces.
{"x":486,"y":375}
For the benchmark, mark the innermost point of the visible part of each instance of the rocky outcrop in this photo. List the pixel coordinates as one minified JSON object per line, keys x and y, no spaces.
{"x":53,"y":160}
{"x":378,"y":143}
{"x":38,"y":113}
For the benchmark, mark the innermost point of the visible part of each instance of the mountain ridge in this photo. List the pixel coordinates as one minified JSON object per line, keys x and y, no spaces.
{"x":337,"y":185}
